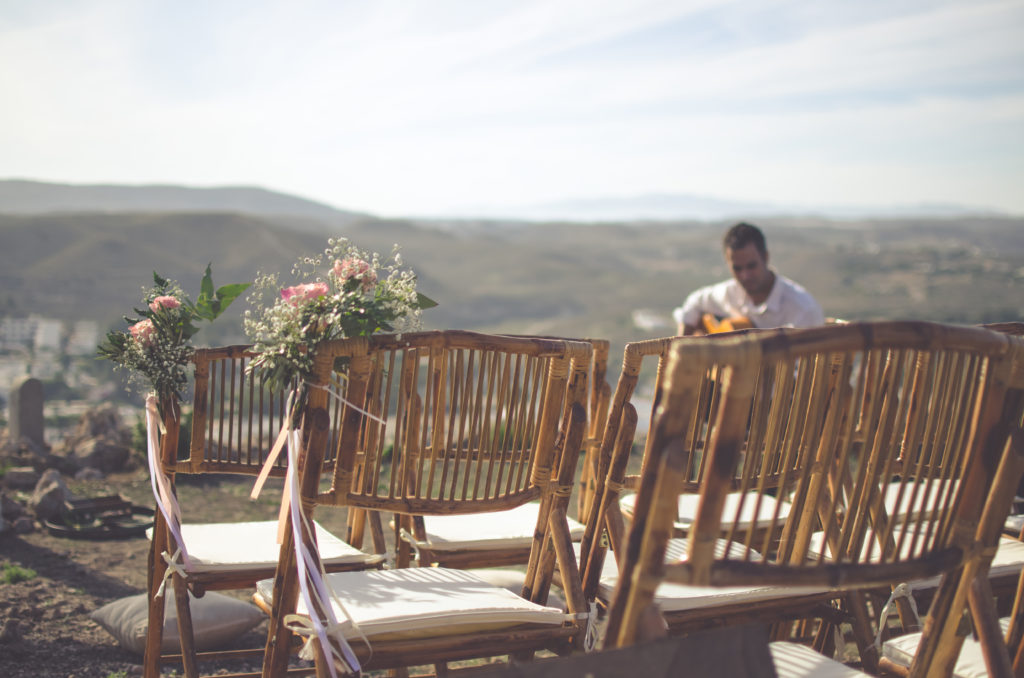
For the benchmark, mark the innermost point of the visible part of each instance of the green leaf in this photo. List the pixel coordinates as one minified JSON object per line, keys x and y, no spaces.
{"x":206,"y":286}
{"x":228,"y":293}
{"x":423,"y":301}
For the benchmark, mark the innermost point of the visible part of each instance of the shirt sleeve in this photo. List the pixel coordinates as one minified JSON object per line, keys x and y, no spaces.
{"x":693,"y":308}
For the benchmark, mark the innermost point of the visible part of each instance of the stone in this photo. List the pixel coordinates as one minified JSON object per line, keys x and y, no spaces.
{"x":10,"y":508}
{"x":10,"y":633}
{"x":100,"y":422}
{"x":68,"y":466}
{"x":47,"y":501}
{"x":21,"y":478}
{"x":89,"y":473}
{"x":26,"y":409}
{"x":104,"y":454}
{"x":24,"y":525}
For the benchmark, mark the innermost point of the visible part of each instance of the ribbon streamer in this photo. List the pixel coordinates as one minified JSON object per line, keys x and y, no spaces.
{"x":312,"y":585}
{"x":275,"y":451}
{"x":162,"y":490}
{"x":900,"y":591}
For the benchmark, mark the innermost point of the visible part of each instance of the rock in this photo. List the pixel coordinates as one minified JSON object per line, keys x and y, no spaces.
{"x":24,"y":525}
{"x":10,"y":633}
{"x":68,"y":465}
{"x":10,"y":508}
{"x":89,"y":473}
{"x":48,"y":499}
{"x":103,"y":453}
{"x":21,"y":478}
{"x":100,"y":422}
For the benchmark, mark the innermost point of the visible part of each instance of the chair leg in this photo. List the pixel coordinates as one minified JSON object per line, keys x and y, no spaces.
{"x":403,"y":551}
{"x":980,"y":598}
{"x":155,"y":628}
{"x":185,"y":633}
{"x":377,"y":532}
{"x":861,"y":622}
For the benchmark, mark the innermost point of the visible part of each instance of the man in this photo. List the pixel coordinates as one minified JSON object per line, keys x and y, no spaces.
{"x":756,"y":293}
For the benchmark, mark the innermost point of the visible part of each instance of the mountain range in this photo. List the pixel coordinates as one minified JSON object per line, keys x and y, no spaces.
{"x":75,"y":253}
{"x":34,"y":197}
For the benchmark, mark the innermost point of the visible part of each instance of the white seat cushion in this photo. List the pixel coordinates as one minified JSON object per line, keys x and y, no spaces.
{"x":793,"y":660}
{"x":678,"y":597}
{"x":939,"y":492}
{"x":499,"y":529}
{"x":423,"y":602}
{"x":688,"y":509}
{"x":1014,"y":524}
{"x":969,"y":664}
{"x":228,"y":546}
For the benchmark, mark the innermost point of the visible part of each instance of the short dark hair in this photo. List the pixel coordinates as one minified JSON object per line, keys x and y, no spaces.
{"x":743,"y":234}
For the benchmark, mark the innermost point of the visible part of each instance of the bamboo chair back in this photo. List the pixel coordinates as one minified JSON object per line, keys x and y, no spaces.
{"x":236,"y":420}
{"x":606,"y":526}
{"x":598,"y":399}
{"x":448,"y":423}
{"x":458,"y":422}
{"x":921,"y":402}
{"x":462,"y":543}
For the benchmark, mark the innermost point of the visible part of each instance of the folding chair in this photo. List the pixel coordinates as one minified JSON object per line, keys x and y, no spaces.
{"x":936,"y":403}
{"x":480,"y":423}
{"x":486,"y":541}
{"x":687,"y":608}
{"x":235,"y":421}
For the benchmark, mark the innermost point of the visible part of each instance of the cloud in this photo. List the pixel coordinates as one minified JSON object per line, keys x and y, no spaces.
{"x":403,"y":107}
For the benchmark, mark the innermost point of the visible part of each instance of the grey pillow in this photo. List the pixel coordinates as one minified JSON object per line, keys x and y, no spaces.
{"x":216,"y":621}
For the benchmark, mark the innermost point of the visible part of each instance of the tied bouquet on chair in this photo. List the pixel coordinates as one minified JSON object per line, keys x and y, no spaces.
{"x":342,"y":294}
{"x":353,"y":294}
{"x":157,"y":346}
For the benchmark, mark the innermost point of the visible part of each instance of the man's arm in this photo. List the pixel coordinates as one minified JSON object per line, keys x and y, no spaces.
{"x":685,"y":330}
{"x":692,"y":308}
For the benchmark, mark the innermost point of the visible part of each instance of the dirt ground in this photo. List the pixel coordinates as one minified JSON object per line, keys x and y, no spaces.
{"x":45,"y":630}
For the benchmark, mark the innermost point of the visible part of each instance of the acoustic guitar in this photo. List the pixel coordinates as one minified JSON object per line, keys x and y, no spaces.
{"x":712,"y":325}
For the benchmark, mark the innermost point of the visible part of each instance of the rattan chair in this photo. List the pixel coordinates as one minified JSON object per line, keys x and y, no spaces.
{"x":686,"y":608}
{"x":235,"y":421}
{"x":485,"y":541}
{"x":935,"y":405}
{"x":479,"y":423}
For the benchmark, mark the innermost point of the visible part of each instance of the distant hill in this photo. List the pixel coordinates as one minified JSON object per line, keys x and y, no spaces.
{"x":19,"y":196}
{"x":562,"y":278}
{"x":681,"y":206}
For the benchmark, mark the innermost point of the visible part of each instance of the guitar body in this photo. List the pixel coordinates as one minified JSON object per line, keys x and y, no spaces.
{"x":712,"y":325}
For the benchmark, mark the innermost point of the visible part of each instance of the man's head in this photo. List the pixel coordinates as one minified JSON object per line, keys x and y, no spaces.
{"x":747,"y":256}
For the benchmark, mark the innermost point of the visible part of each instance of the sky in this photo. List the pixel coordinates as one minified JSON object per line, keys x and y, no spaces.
{"x":405,"y":108}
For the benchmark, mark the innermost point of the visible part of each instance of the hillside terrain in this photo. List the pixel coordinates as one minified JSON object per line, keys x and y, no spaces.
{"x":542,"y":278}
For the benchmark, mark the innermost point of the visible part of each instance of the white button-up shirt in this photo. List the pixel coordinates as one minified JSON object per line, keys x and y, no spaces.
{"x":788,"y":305}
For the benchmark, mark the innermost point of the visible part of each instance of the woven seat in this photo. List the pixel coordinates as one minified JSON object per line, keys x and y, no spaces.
{"x":486,"y":531}
{"x":420,"y":603}
{"x":253,"y":546}
{"x":793,"y":660}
